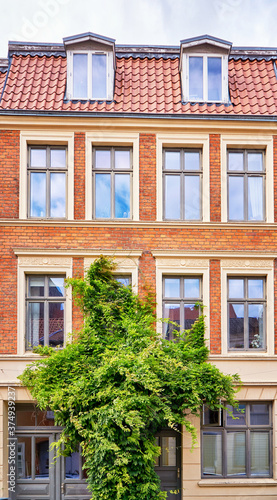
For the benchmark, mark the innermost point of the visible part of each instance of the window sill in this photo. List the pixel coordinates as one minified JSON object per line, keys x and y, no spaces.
{"x":237,"y":482}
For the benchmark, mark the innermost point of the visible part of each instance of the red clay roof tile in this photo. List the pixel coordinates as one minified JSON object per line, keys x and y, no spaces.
{"x":141,"y":86}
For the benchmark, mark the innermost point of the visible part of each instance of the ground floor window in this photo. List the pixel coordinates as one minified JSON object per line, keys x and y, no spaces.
{"x":240,"y":443}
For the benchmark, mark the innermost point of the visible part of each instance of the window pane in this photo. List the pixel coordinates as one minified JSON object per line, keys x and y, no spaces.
{"x":24,"y":458}
{"x":56,"y":286}
{"x":191,"y":288}
{"x":99,"y":76}
{"x":259,"y":414}
{"x":35,"y":324}
{"x":38,"y":195}
{"x":57,"y":196}
{"x":236,"y":453}
{"x":36,"y":286}
{"x":255,"y":288}
{"x":56,"y":324}
{"x":172,"y":160}
{"x":38,"y":157}
{"x":236,"y":288}
{"x":124,"y":280}
{"x":255,"y":162}
{"x":172,"y":287}
{"x":255,"y":325}
{"x":210,"y":417}
{"x":192,"y":160}
{"x":212,"y":453}
{"x":255,"y":198}
{"x":172,"y":197}
{"x":58,"y":158}
{"x":214,"y":79}
{"x":102,"y":158}
{"x":122,"y":195}
{"x":168,"y":451}
{"x":236,"y":198}
{"x":259,"y":458}
{"x":42,"y":457}
{"x":171,"y":312}
{"x":80,"y":75}
{"x":236,"y":326}
{"x":102,"y":196}
{"x":235,"y":161}
{"x":72,"y":466}
{"x":191,"y":314}
{"x":238,"y":413}
{"x":192,"y":197}
{"x":122,"y":159}
{"x":196,"y":78}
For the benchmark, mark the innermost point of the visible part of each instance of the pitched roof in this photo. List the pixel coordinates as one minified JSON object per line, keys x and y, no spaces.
{"x":142,"y":85}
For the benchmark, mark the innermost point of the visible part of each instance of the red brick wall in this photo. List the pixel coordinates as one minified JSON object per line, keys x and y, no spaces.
{"x":147,"y":275}
{"x":147,"y":177}
{"x":8,"y":297}
{"x":215,"y":178}
{"x":79,"y":175}
{"x":9,"y":174}
{"x":215,"y":307}
{"x":77,"y":315}
{"x":275,"y":175}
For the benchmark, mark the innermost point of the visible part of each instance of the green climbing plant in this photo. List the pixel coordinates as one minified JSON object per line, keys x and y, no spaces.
{"x":118,"y":383}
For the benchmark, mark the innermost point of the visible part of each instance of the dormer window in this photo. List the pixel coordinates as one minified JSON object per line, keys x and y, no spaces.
{"x":89,"y":75}
{"x":90,"y":67}
{"x":204,"y":69}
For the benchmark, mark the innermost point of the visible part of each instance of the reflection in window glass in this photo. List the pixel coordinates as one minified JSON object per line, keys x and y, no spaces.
{"x":99,"y":76}
{"x":255,"y":288}
{"x":172,"y":287}
{"x":238,"y":414}
{"x":58,"y":158}
{"x":259,"y":414}
{"x":192,"y":197}
{"x":236,"y":288}
{"x":191,"y":287}
{"x":168,"y":451}
{"x":236,"y":198}
{"x":80,"y":76}
{"x":172,"y":160}
{"x":102,"y":158}
{"x":191,"y":314}
{"x":235,"y":161}
{"x":38,"y":157}
{"x":214,"y":79}
{"x":236,"y":326}
{"x":56,"y":324}
{"x":122,"y":196}
{"x":103,"y":196}
{"x":42,"y":457}
{"x":196,"y":78}
{"x":255,"y":162}
{"x":38,"y":194}
{"x":122,"y":159}
{"x":172,"y":197}
{"x":72,"y":466}
{"x":57,"y":195}
{"x":192,"y":160}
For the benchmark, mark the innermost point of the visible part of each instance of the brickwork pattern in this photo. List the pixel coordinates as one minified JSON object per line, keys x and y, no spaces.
{"x":215,"y":178}
{"x":79,"y":175}
{"x":8,"y":297}
{"x":215,"y":307}
{"x":147,"y":177}
{"x":147,"y":275}
{"x":9,"y":174}
{"x":77,"y":316}
{"x":275,"y":306}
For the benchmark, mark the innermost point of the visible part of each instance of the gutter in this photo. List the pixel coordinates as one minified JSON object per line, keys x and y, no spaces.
{"x":163,"y":116}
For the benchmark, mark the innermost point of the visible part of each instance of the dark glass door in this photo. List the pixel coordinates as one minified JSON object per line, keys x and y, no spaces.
{"x":169,"y":462}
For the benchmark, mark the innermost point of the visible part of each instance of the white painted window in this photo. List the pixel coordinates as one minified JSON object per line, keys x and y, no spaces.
{"x":90,"y":75}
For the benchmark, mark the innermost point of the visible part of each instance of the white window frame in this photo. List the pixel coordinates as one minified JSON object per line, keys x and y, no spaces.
{"x":45,"y":138}
{"x":109,"y":75}
{"x":224,"y":76}
{"x":263,"y":268}
{"x":40,"y":264}
{"x":247,"y":141}
{"x":96,"y":139}
{"x":185,"y":267}
{"x":185,"y":141}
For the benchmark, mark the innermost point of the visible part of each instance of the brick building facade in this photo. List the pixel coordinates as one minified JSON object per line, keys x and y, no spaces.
{"x":189,"y":183}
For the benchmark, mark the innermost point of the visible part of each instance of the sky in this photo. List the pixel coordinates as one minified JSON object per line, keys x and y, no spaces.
{"x":143,"y":22}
